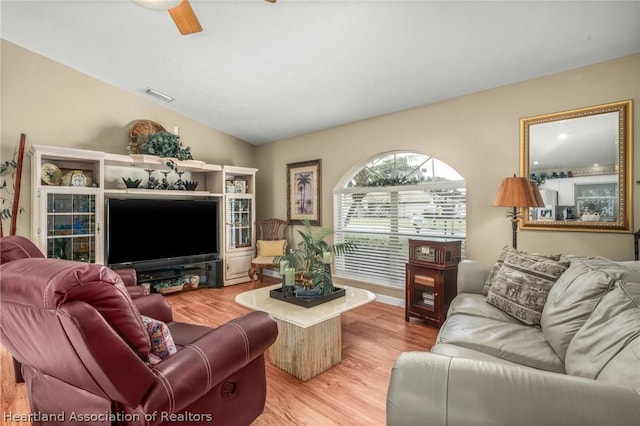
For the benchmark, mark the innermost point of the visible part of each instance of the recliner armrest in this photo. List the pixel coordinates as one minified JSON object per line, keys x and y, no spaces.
{"x":154,"y":306}
{"x":427,"y":388}
{"x":130,"y":280}
{"x":198,"y":367}
{"x":151,"y":305}
{"x":129,"y":276}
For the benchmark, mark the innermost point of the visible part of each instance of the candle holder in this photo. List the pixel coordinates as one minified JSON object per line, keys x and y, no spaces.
{"x":164,"y":184}
{"x":179,"y":184}
{"x":283,"y":265}
{"x":152,"y":182}
{"x":289,"y":282}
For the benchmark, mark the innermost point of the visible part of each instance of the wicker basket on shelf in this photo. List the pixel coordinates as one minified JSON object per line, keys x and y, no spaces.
{"x":171,"y":289}
{"x":141,"y":129}
{"x":192,"y":282}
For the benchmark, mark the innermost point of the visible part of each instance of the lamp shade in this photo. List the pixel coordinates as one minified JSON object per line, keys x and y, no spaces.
{"x":517,"y":192}
{"x":536,"y":194}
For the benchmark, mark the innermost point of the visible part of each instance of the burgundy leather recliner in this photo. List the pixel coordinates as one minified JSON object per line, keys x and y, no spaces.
{"x":15,"y":247}
{"x":85,"y":352}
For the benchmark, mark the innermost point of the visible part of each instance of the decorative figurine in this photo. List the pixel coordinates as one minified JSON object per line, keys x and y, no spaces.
{"x":152,"y":182}
{"x":164,"y":184}
{"x":179,"y":184}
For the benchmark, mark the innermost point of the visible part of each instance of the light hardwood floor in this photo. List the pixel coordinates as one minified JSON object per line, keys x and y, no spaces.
{"x":350,"y":393}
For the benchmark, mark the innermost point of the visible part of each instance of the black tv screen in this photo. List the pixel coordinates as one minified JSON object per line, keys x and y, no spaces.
{"x":156,"y":229}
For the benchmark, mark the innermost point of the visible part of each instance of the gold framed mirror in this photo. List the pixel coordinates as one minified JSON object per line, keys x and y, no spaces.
{"x":581,"y":160}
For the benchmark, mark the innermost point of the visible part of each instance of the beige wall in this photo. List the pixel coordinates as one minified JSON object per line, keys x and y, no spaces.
{"x":55,"y":105}
{"x":479,"y":136}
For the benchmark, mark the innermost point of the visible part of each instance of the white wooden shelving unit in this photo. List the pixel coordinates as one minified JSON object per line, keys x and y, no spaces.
{"x":68,"y":221}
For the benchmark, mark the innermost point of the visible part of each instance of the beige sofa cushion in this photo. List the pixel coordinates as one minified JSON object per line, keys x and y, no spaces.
{"x":613,"y":325}
{"x":476,"y":305}
{"x":574,"y":296}
{"x":511,"y":341}
{"x":460,"y":352}
{"x":522,"y":284}
{"x":617,"y":370}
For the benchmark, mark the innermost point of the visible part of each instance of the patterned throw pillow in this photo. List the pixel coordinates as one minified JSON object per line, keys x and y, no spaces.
{"x":271,"y":248}
{"x":506,"y":250}
{"x":162,"y":344}
{"x":521,"y":286}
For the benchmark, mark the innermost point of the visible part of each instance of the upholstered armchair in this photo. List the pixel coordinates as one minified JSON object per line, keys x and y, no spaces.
{"x":86,"y":352}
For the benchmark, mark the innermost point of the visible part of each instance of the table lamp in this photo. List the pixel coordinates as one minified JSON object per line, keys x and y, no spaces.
{"x":517,"y":192}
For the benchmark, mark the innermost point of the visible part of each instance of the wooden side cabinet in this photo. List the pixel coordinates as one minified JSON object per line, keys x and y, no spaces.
{"x":431,"y":279}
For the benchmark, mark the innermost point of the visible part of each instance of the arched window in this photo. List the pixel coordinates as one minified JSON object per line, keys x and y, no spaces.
{"x":390,"y":199}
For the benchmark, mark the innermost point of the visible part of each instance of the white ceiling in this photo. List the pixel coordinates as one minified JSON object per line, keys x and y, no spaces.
{"x":264,"y":72}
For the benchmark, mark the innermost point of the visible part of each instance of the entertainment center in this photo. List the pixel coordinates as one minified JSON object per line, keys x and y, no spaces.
{"x":83,"y":210}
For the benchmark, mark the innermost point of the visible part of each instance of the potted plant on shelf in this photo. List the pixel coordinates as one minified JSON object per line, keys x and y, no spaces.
{"x":165,"y":145}
{"x":312,"y":257}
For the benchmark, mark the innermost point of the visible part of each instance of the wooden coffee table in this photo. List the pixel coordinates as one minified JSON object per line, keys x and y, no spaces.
{"x":309,"y":339}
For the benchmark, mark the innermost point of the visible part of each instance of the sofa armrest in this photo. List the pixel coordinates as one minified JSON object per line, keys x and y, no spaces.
{"x":198,"y":367}
{"x":472,"y":275}
{"x":427,"y":388}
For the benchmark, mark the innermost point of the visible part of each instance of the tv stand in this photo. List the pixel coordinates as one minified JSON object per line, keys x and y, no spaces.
{"x":208,"y":267}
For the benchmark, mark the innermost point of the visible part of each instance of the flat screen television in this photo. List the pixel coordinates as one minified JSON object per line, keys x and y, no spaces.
{"x":143,"y":230}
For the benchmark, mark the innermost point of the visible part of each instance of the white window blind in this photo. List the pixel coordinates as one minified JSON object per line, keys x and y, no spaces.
{"x":381,"y":220}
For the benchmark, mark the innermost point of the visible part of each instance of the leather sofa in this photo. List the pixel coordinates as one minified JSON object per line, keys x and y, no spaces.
{"x":86,"y":353}
{"x":579,"y":366}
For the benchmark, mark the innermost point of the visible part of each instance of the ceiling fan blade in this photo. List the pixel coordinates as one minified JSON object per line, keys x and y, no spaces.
{"x":185,"y":18}
{"x":271,"y":1}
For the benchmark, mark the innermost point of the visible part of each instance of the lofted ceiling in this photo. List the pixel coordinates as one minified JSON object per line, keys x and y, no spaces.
{"x":264,"y":72}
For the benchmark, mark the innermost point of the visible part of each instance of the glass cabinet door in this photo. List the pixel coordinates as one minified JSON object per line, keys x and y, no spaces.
{"x":239,"y":220}
{"x":71,"y":226}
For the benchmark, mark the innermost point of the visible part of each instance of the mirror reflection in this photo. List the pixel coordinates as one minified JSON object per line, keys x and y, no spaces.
{"x":579,"y":160}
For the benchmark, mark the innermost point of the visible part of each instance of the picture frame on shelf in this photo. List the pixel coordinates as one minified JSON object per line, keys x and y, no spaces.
{"x":546,"y":213}
{"x":303,"y":192}
{"x":229,"y":187}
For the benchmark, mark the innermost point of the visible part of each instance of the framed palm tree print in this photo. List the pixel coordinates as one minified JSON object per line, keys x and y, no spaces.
{"x":303,"y":192}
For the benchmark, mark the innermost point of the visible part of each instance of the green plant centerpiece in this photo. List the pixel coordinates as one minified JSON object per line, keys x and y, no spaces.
{"x":165,"y":144}
{"x":312,"y":257}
